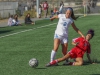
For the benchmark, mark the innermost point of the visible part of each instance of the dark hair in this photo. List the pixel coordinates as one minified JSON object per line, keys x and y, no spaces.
{"x":51,"y":11}
{"x":72,"y":15}
{"x":91,"y":31}
{"x":16,"y":18}
{"x":28,"y":14}
{"x":11,"y":16}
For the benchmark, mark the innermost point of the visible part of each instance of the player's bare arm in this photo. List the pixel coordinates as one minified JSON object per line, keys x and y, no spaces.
{"x":75,"y":44}
{"x":77,"y":30}
{"x":54,"y":17}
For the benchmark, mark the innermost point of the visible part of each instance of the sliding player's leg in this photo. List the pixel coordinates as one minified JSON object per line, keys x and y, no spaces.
{"x":58,"y":60}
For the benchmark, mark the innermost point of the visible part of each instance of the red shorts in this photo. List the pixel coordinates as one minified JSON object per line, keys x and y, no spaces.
{"x":76,"y":53}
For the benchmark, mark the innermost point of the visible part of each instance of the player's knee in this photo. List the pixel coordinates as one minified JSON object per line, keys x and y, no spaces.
{"x":80,"y":63}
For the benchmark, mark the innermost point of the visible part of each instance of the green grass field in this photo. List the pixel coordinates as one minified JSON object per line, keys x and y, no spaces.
{"x":19,"y":44}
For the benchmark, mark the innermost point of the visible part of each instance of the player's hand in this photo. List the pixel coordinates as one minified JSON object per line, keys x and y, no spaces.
{"x":94,"y":62}
{"x":51,"y":19}
{"x":83,"y":36}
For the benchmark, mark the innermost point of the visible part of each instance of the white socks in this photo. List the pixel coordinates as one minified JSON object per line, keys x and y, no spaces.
{"x":53,"y":53}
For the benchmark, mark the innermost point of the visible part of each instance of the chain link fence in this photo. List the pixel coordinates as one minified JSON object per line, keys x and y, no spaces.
{"x":7,"y":9}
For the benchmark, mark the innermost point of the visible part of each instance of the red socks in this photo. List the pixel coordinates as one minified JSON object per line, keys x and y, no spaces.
{"x":54,"y":62}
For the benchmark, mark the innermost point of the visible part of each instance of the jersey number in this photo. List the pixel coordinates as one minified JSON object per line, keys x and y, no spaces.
{"x":65,"y":23}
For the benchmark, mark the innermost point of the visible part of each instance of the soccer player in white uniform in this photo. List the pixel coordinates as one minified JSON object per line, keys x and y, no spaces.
{"x":61,"y":32}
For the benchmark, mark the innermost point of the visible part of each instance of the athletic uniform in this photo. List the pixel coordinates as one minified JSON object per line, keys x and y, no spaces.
{"x":79,"y":50}
{"x":45,"y":8}
{"x":61,"y":31}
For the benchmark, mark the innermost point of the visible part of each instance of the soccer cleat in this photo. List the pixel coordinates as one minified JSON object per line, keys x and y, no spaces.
{"x":53,"y":63}
{"x":48,"y":65}
{"x":56,"y":65}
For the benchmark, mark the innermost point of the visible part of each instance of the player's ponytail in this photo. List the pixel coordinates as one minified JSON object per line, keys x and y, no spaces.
{"x":72,"y":15}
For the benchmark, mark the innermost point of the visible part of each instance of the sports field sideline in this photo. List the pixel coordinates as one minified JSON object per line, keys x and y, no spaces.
{"x":19,"y":44}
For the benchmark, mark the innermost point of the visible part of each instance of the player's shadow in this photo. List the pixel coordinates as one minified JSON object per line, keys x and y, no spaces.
{"x":40,"y":68}
{"x":5,"y":31}
{"x":88,"y":63}
{"x":85,"y":63}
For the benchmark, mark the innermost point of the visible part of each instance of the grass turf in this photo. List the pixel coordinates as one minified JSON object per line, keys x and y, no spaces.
{"x":16,"y":50}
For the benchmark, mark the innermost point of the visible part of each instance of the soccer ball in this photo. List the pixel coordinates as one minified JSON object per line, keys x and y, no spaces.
{"x":33,"y":62}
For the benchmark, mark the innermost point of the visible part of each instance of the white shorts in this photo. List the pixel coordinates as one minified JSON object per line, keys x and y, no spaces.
{"x":63,"y":39}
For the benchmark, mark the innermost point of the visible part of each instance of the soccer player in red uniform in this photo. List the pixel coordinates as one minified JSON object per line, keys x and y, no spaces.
{"x":82,"y":45}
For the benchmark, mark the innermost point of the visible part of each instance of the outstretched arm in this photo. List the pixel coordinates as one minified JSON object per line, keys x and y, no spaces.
{"x":77,"y":30}
{"x":54,"y":17}
{"x":75,"y":44}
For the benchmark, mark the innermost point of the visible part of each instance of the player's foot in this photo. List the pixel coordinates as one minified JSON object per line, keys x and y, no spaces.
{"x":56,"y":65}
{"x":55,"y":62}
{"x":48,"y":65}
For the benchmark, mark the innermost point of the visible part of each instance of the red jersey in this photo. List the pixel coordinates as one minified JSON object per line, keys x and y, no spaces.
{"x":82,"y":47}
{"x":45,"y":6}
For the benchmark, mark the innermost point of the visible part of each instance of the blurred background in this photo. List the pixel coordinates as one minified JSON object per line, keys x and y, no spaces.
{"x":22,"y":7}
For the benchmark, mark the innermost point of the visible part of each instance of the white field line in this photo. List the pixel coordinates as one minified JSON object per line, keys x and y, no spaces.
{"x":81,"y":16}
{"x":30,"y":29}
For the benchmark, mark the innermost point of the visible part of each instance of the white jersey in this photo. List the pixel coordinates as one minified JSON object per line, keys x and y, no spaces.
{"x":63,"y":24}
